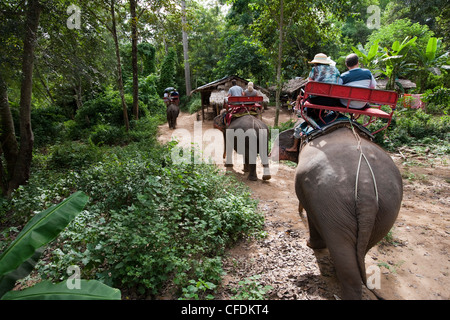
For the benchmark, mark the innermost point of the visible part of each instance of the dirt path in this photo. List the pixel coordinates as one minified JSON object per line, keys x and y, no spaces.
{"x":413,"y":265}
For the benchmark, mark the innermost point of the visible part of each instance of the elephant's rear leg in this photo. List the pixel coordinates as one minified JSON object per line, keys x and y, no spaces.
{"x":346,"y":265}
{"x":315,"y":239}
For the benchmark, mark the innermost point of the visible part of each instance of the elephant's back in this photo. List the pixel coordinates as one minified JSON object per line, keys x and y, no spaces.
{"x":335,"y":164}
{"x":247,"y":122}
{"x":173,"y":109}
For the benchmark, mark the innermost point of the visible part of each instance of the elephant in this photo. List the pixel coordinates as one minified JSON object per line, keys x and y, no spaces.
{"x":248,"y":136}
{"x":172,"y":114}
{"x":351,"y":191}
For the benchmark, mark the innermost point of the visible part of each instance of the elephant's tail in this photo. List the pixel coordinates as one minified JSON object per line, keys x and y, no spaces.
{"x":366,"y":200}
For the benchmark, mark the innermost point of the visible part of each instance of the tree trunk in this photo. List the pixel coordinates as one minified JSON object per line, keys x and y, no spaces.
{"x":280,"y":56}
{"x":134,"y":60}
{"x":23,"y":164}
{"x":8,"y":143}
{"x":187,"y":71}
{"x":119,"y":67}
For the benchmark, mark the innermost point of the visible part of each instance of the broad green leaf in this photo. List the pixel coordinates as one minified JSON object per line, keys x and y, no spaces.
{"x":40,"y":230}
{"x":373,"y":50}
{"x":396,"y":46}
{"x":89,"y":290}
{"x":431,"y":49}
{"x":8,"y":281}
{"x":358,"y":52}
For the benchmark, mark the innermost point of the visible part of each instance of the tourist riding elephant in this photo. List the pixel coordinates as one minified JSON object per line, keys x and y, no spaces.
{"x":172,"y":114}
{"x":351,"y":191}
{"x":248,"y":136}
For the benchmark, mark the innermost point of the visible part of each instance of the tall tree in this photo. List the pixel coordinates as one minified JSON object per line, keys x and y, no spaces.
{"x":19,"y":155}
{"x":119,"y":65}
{"x":134,"y":58}
{"x":187,"y":70}
{"x":280,"y":57}
{"x":276,"y":17}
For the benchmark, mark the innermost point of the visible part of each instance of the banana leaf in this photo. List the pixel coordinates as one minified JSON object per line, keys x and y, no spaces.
{"x":8,"y":281}
{"x":40,"y":230}
{"x":89,"y":290}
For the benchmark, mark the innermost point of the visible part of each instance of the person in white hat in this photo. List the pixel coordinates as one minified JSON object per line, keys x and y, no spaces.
{"x":324,"y":70}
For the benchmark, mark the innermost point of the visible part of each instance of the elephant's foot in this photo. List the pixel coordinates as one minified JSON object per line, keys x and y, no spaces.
{"x":252,"y":178}
{"x":316,"y":244}
{"x":267,"y":177}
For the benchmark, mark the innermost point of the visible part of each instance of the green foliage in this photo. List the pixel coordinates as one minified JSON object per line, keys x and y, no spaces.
{"x":197,"y":290}
{"x":167,"y":72}
{"x":147,"y":53}
{"x":107,"y":134}
{"x":73,"y":154}
{"x":47,"y":124}
{"x":195,"y":105}
{"x":19,"y":258}
{"x":437,"y":100}
{"x":394,"y":58}
{"x":149,"y":221}
{"x":368,"y":59}
{"x":414,"y":126}
{"x":251,"y":289}
{"x":398,"y":31}
{"x":244,"y":58}
{"x":89,"y":290}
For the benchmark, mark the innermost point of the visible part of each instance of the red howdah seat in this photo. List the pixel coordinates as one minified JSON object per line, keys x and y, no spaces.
{"x":243,"y":101}
{"x":375,"y":98}
{"x":241,"y":105}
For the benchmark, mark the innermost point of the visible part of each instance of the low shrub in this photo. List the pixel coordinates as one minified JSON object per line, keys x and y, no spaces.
{"x":437,"y":100}
{"x":148,"y":222}
{"x":107,"y":134}
{"x":73,"y":154}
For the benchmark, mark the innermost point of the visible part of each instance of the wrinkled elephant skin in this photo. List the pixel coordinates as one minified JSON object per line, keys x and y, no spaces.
{"x":349,"y":209}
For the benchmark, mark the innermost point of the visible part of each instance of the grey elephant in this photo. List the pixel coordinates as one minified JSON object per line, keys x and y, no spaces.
{"x":172,"y":114}
{"x":248,"y":136}
{"x":351,"y":191}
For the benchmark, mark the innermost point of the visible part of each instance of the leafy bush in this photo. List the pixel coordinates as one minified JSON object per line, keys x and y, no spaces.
{"x":437,"y":100}
{"x":107,"y":134}
{"x":73,"y":154}
{"x":106,"y":108}
{"x":414,"y":126}
{"x":195,"y":105}
{"x":149,"y":221}
{"x":47,"y":124}
{"x":20,"y":257}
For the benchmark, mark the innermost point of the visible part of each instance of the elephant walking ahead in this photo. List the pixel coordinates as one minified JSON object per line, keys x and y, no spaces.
{"x":351,"y":191}
{"x":248,"y":136}
{"x":172,"y":114}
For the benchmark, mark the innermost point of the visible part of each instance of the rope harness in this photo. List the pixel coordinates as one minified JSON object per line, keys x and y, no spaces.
{"x":362,"y":155}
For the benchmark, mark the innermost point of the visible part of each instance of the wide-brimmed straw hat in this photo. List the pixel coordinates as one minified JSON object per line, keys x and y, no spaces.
{"x":322,"y":59}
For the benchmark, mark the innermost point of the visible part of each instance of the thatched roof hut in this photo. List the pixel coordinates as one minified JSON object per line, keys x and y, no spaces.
{"x":290,"y":89}
{"x":406,"y":84}
{"x":214,"y":94}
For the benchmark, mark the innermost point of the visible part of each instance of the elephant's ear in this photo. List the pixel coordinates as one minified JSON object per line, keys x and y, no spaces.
{"x":219,"y":122}
{"x":284,"y":141}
